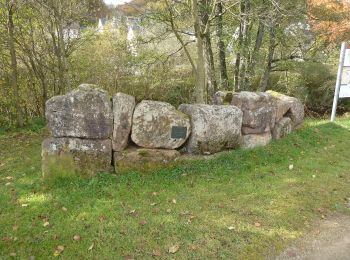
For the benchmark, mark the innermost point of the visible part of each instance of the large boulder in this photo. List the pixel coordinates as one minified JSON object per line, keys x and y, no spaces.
{"x":259,"y":111}
{"x":78,"y":156}
{"x":123,"y":109}
{"x":159,"y":125}
{"x":214,"y":128}
{"x":143,"y":159}
{"x":85,"y":112}
{"x":282,"y":128}
{"x":256,"y":140}
{"x":288,"y":107}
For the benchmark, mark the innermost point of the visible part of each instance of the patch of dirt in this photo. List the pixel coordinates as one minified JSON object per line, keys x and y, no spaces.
{"x":329,"y":240}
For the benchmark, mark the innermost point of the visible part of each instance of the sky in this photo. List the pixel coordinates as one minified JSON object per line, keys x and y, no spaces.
{"x":116,"y":2}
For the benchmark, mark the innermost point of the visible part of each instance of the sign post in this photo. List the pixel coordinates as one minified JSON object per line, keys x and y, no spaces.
{"x":342,"y":87}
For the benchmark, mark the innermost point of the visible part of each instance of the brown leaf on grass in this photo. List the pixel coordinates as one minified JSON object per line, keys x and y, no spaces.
{"x":143,"y":222}
{"x":10,"y":178}
{"x":58,"y":250}
{"x":173,"y":249}
{"x":133,"y":213}
{"x":102,"y":218}
{"x":193,"y":247}
{"x":257,"y":224}
{"x":156,"y":252}
{"x":46,"y":224}
{"x":76,"y":238}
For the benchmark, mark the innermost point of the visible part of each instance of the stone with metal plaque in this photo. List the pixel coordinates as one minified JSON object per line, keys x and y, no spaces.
{"x":178,"y":132}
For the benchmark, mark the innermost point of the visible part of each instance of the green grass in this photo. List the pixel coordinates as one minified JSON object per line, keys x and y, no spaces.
{"x":134,"y":214}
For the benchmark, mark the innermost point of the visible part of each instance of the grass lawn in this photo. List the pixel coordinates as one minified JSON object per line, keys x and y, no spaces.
{"x":241,"y":205}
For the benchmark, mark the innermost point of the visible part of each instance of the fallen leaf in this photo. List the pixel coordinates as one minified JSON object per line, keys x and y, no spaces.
{"x":64,"y":209}
{"x":156,"y":253}
{"x":10,"y":178}
{"x":24,"y":205}
{"x":58,"y":250}
{"x":153,"y":204}
{"x":91,"y":247}
{"x":13,"y":254}
{"x":101,"y":218}
{"x":76,"y":238}
{"x":143,"y":222}
{"x":231,"y":228}
{"x":46,"y":224}
{"x":174,"y":201}
{"x":168,"y":210}
{"x":14,"y":228}
{"x":291,"y":167}
{"x":173,"y":249}
{"x":257,"y":224}
{"x":154,"y":193}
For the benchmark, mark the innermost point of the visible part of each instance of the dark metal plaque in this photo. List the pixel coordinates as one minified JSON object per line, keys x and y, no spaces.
{"x":178,"y":132}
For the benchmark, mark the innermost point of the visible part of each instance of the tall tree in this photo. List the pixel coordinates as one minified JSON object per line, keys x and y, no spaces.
{"x":221,"y":46}
{"x":11,"y":7}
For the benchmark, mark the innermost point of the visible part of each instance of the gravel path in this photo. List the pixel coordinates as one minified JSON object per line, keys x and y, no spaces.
{"x":330,"y":240}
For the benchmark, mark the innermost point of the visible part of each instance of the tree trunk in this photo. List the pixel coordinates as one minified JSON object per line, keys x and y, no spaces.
{"x":255,"y":54}
{"x":244,"y":46}
{"x":200,"y":93}
{"x":272,"y":45}
{"x":61,"y":51}
{"x":221,"y":47}
{"x":240,"y":67}
{"x":208,"y":51}
{"x":14,"y":71}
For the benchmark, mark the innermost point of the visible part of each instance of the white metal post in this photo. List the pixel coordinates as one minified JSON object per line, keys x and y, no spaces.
{"x":339,"y":78}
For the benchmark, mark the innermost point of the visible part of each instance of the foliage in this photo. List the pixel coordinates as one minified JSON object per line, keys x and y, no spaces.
{"x":330,"y":18}
{"x":231,"y":45}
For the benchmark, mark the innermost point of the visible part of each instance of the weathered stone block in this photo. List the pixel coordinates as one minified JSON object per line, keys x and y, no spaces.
{"x":214,"y":128}
{"x":256,"y":140}
{"x":282,"y":128}
{"x":85,"y":112}
{"x":81,"y":156}
{"x":259,"y":111}
{"x":154,"y":122}
{"x":123,"y":109}
{"x":143,"y":159}
{"x":288,"y":107}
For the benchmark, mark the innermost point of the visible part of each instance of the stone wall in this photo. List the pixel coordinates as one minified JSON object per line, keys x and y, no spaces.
{"x":92,"y":131}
